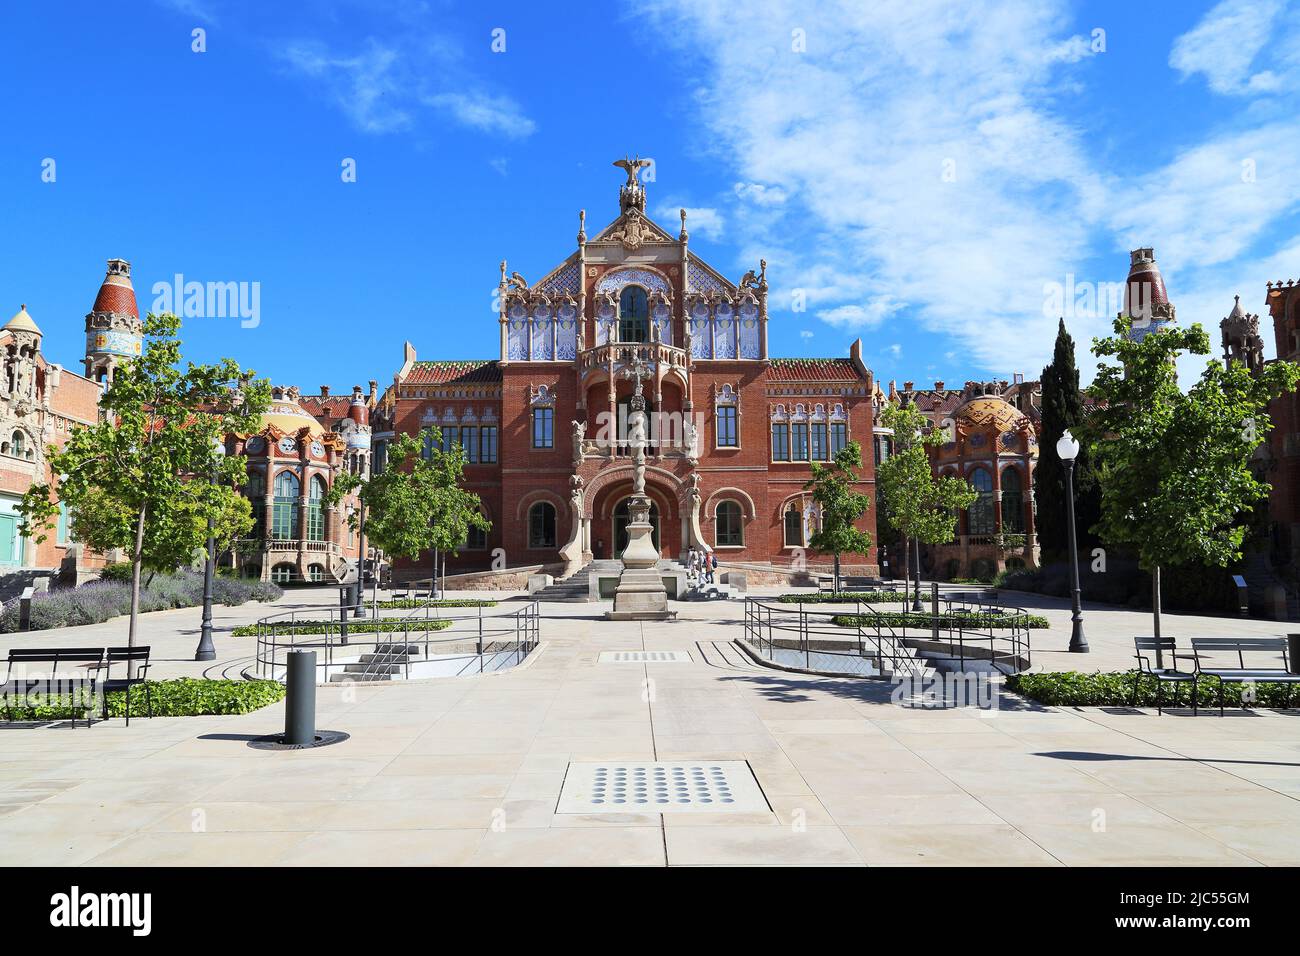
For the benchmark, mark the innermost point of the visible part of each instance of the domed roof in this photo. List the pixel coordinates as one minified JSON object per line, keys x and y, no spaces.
{"x":22,"y":322}
{"x":286,"y":414}
{"x":117,"y":294}
{"x":988,"y":411}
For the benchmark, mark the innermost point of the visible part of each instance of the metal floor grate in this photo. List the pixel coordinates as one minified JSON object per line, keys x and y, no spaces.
{"x":644,"y":657}
{"x":703,"y":786}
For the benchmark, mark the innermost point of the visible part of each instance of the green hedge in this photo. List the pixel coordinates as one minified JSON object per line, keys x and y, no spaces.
{"x":410,"y":604}
{"x":925,"y":620}
{"x":845,"y":597}
{"x":1115,"y":689}
{"x":382,"y":626}
{"x":183,"y":697}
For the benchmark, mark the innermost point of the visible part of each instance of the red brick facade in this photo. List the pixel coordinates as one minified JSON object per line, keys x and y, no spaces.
{"x":554,"y":470}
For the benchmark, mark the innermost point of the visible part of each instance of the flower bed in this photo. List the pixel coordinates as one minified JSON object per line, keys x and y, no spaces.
{"x":410,"y":604}
{"x":183,"y":697}
{"x":845,"y":597}
{"x":1115,"y":689}
{"x":100,"y":601}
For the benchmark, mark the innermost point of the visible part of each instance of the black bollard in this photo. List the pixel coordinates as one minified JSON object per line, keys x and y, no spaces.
{"x":300,"y":701}
{"x":345,"y":592}
{"x":1293,"y":653}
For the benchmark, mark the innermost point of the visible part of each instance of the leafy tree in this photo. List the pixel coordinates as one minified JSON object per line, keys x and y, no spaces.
{"x":841,"y":507}
{"x":416,"y":504}
{"x":1174,"y":466}
{"x":147,"y":478}
{"x":1063,"y":409}
{"x":919,"y":506}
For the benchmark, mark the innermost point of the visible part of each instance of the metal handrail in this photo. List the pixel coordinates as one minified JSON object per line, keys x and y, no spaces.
{"x":874,"y":643}
{"x":514,"y":631}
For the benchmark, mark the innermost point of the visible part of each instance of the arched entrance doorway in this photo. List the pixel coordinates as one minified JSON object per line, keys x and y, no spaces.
{"x":622,"y":516}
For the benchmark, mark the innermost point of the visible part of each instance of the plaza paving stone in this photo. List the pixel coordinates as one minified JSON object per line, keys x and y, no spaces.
{"x":467,"y":771}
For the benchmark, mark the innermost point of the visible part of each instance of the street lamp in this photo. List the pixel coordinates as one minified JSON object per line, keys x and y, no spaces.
{"x":207,"y":651}
{"x":1067,"y":449}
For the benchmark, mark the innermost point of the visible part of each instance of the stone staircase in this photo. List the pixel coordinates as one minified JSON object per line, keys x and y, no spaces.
{"x":385,"y":662}
{"x":575,"y":589}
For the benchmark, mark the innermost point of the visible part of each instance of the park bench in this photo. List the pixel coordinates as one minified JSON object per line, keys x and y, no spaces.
{"x":1168,"y":648}
{"x":126,"y":656}
{"x":1275,"y":648}
{"x":986,"y":601}
{"x":826,"y":583}
{"x":18,"y":686}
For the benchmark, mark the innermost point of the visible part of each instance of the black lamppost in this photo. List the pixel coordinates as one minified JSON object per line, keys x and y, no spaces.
{"x":916,"y":591}
{"x":1067,"y":449}
{"x":207,"y":651}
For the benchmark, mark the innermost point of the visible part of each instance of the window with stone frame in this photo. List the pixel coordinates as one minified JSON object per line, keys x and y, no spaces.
{"x":729,"y":525}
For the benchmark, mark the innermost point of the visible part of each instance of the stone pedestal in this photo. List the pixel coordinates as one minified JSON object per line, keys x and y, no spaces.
{"x":641,"y":595}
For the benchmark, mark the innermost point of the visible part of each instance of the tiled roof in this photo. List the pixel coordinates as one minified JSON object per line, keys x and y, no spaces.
{"x":482,"y":371}
{"x":333,"y":406}
{"x":115,"y":298}
{"x":813,"y":370}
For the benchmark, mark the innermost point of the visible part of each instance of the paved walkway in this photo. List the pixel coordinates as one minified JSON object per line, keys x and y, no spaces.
{"x":469,"y":770}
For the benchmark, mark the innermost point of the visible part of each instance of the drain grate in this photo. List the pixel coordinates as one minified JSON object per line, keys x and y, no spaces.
{"x":644,"y":657}
{"x":705,"y":786}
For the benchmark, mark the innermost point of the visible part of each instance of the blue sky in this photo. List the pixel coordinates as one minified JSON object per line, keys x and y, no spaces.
{"x":921,"y":174}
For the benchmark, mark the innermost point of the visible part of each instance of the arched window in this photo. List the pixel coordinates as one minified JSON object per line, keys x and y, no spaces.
{"x":282,"y":573}
{"x":541,"y":525}
{"x":980,"y":514}
{"x":316,"y":509}
{"x":633,"y":315}
{"x":792,"y":523}
{"x":18,"y":443}
{"x":315,"y":572}
{"x":1013,"y":502}
{"x":729,"y":526}
{"x":284,"y":512}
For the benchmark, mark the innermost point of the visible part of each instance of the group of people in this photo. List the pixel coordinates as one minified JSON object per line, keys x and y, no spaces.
{"x":701,"y":566}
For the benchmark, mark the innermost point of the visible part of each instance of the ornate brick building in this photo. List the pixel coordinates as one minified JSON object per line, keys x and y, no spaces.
{"x":544,"y":425}
{"x":40,"y":404}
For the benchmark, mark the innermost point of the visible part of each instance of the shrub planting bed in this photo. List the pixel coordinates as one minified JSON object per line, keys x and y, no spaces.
{"x":410,"y":604}
{"x":845,"y":597}
{"x":183,"y":697}
{"x":924,"y":620}
{"x":1115,"y":689}
{"x":383,"y":626}
{"x":102,"y":600}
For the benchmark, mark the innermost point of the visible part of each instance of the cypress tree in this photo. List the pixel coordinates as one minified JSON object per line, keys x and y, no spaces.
{"x":1062,"y":409}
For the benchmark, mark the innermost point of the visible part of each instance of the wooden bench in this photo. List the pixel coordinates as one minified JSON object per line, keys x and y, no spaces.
{"x":1275,"y":648}
{"x":50,"y":659}
{"x":1168,"y":648}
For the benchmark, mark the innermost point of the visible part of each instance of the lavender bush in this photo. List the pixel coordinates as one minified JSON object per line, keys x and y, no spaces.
{"x":99,"y":601}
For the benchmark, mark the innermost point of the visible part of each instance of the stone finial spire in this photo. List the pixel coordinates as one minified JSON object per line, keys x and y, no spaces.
{"x":631,"y":195}
{"x":1241,"y":339}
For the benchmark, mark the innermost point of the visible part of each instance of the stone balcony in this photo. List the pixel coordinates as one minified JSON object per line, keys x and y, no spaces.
{"x":622,"y":354}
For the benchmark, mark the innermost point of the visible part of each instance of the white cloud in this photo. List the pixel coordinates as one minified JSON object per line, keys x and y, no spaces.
{"x":492,"y":114}
{"x":760,"y":194}
{"x":1224,"y":44}
{"x":857,"y":134}
{"x":896,"y":349}
{"x":365,"y":86}
{"x":701,"y":221}
{"x":805,"y":334}
{"x":388,"y":86}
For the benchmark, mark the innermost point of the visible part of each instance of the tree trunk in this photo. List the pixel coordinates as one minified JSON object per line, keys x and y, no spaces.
{"x":137,"y":560}
{"x":1155,"y":611}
